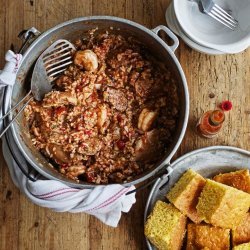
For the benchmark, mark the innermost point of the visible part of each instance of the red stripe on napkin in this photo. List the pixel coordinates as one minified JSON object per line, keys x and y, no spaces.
{"x":110,"y":200}
{"x":52,"y":192}
{"x":57,"y":194}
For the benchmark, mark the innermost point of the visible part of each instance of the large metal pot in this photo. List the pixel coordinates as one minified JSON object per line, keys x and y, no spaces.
{"x":71,"y":30}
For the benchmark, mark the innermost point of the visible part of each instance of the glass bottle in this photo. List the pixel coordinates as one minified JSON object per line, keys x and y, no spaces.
{"x":210,"y":123}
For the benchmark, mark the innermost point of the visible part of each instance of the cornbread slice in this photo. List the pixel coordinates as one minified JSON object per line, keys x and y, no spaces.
{"x":165,"y":227}
{"x":238,"y":179}
{"x":245,"y":246}
{"x":185,"y":193}
{"x":242,"y":233}
{"x":222,"y":206}
{"x":202,"y":236}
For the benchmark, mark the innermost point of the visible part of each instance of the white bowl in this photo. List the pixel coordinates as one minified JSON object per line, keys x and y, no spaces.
{"x":175,"y":27}
{"x":210,"y":33}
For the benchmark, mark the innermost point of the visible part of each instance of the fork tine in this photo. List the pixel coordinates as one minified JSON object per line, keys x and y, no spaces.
{"x":223,"y":19}
{"x":219,"y":20}
{"x":56,"y":73}
{"x":47,"y":56}
{"x":228,"y":17}
{"x":47,"y":66}
{"x":58,"y":67}
{"x":226,"y":13}
{"x":55,"y":49}
{"x":57,"y":57}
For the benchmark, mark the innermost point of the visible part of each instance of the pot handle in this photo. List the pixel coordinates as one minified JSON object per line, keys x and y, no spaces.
{"x":28,"y":37}
{"x":160,"y":174}
{"x":170,"y":34}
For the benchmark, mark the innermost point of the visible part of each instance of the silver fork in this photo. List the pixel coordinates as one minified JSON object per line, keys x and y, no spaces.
{"x":215,"y":11}
{"x":50,"y":64}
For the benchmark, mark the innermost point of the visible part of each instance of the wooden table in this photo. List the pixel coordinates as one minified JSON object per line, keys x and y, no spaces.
{"x":211,"y":79}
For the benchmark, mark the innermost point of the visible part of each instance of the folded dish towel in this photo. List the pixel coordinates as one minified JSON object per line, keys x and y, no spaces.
{"x":104,"y":202}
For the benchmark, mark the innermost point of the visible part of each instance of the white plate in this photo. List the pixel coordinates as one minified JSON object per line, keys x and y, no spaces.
{"x":175,"y":27}
{"x":207,"y":162}
{"x":210,"y":33}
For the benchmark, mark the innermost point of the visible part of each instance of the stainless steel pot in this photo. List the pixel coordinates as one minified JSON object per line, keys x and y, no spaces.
{"x":71,"y":30}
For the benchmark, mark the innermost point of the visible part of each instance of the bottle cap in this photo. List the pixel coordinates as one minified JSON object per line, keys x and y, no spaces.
{"x":217,"y":117}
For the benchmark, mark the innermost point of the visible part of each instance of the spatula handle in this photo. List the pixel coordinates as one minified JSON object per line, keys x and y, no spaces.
{"x":19,"y":112}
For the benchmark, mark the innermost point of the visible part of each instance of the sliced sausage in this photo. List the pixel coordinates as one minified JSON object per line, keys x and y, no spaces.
{"x":116,"y":97}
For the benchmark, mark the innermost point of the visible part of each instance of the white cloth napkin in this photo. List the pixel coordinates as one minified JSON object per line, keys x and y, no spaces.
{"x":104,"y":202}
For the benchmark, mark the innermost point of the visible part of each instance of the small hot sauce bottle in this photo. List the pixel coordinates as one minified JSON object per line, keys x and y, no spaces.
{"x":210,"y":123}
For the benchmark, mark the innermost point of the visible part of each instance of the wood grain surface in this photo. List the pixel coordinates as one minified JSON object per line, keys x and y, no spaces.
{"x":211,"y":79}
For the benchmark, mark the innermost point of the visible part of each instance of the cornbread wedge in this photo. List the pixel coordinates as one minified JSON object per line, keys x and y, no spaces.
{"x":222,"y":206}
{"x":165,"y":227}
{"x":207,"y":237}
{"x":245,"y":246}
{"x":238,"y":179}
{"x":185,"y":193}
{"x":242,"y":233}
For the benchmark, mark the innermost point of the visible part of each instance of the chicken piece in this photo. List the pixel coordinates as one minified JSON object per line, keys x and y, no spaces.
{"x":57,"y":98}
{"x":35,"y":130}
{"x":148,"y":147}
{"x":87,"y":91}
{"x":86,"y":59}
{"x":146,"y":119}
{"x":116,"y":97}
{"x":73,"y":171}
{"x":102,"y":116}
{"x":56,"y":152}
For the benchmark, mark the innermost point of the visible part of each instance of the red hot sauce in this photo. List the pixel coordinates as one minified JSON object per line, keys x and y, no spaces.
{"x":210,"y":123}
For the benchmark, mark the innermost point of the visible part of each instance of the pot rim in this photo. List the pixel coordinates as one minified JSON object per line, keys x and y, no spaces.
{"x":167,"y":159}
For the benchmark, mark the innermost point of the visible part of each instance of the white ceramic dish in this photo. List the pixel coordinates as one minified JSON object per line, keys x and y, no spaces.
{"x":208,"y":32}
{"x":175,"y":27}
{"x":208,"y":162}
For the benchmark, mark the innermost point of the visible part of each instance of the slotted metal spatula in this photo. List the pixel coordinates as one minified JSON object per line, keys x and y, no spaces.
{"x":50,"y":64}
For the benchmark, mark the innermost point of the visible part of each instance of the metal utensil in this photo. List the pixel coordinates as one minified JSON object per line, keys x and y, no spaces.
{"x":215,"y":11}
{"x":71,"y":30}
{"x":50,"y":64}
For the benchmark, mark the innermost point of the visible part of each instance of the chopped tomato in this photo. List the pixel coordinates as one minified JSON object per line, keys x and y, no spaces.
{"x":64,"y":165}
{"x":94,"y":97}
{"x":120,"y":144}
{"x":60,"y":110}
{"x":79,"y":88}
{"x":90,"y":177}
{"x":119,"y":118}
{"x":87,"y":132}
{"x":79,"y":126}
{"x":49,"y":112}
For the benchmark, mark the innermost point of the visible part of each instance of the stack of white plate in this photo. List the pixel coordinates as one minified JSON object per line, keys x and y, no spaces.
{"x":206,"y":35}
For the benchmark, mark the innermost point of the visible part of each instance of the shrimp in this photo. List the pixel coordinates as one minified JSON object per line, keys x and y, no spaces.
{"x":86,"y":59}
{"x":146,"y":119}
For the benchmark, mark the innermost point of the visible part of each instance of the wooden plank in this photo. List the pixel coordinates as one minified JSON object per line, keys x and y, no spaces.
{"x":11,"y":11}
{"x":2,"y":34}
{"x":9,"y":209}
{"x":14,"y":22}
{"x":211,"y":80}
